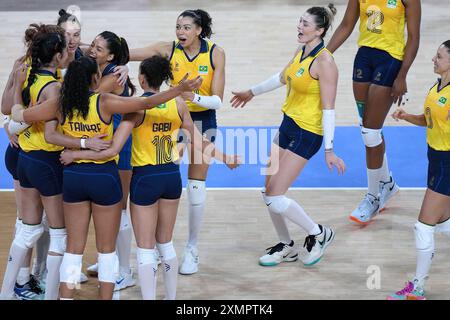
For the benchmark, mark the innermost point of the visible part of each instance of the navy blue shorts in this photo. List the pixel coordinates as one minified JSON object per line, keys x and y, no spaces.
{"x":97,"y":183}
{"x":11,"y":159}
{"x":300,"y":141}
{"x":206,"y":123}
{"x":125,"y":153}
{"x":153,"y":182}
{"x":40,"y":170}
{"x":375,"y":66}
{"x":439,"y":171}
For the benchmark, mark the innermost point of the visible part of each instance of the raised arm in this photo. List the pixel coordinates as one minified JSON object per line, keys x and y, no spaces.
{"x":111,"y":104}
{"x":8,"y":92}
{"x":109,"y":84}
{"x":346,"y":26}
{"x":161,"y":48}
{"x":413,"y":16}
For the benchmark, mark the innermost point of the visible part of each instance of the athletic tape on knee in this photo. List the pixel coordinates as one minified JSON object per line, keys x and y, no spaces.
{"x":166,"y":251}
{"x":277,"y":204}
{"x":196,"y":192}
{"x":70,"y":269}
{"x":108,"y":267}
{"x":146,"y":256}
{"x":360,"y":106}
{"x":58,"y":240}
{"x":424,"y":235}
{"x":125,"y":221}
{"x":28,"y":235}
{"x":371,"y":137}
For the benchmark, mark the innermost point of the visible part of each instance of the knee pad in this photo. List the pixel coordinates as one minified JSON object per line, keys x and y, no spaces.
{"x":424,"y":235}
{"x":371,"y":137}
{"x":277,"y":204}
{"x":196,"y":192}
{"x":166,"y":251}
{"x":58,"y":240}
{"x":125,"y":221}
{"x":70,"y":269}
{"x":44,"y":222}
{"x":108,"y":267}
{"x":443,"y":227}
{"x":28,"y":235}
{"x":146,"y":256}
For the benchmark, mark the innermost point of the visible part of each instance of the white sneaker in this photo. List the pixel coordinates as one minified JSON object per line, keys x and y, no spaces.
{"x":125,"y":280}
{"x":315,"y":246}
{"x":366,"y":210}
{"x":387,"y":191}
{"x":83,"y":278}
{"x":189,"y":265}
{"x":281,"y":252}
{"x":92,"y":270}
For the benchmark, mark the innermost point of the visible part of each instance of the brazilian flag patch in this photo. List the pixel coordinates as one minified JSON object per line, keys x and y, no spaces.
{"x":442,"y":101}
{"x":202,"y":69}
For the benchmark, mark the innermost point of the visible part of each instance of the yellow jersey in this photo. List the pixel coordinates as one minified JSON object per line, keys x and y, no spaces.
{"x":32,"y":138}
{"x":303,"y":103}
{"x":58,"y":75}
{"x":437,"y":113}
{"x":382,"y":26}
{"x":155,"y":138}
{"x":93,"y":125}
{"x":200,"y":65}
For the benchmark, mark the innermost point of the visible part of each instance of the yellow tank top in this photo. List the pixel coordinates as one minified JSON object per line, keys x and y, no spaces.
{"x":58,"y":75}
{"x":437,"y":113}
{"x":32,"y":138}
{"x":155,"y":139}
{"x":93,"y":125}
{"x":303,"y":103}
{"x":382,"y":26}
{"x":200,"y":65}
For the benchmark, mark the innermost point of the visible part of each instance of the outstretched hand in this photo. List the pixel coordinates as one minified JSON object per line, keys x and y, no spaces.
{"x":333,"y":160}
{"x":241,"y":98}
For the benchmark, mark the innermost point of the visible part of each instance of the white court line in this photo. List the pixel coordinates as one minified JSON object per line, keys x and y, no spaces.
{"x":292,"y":189}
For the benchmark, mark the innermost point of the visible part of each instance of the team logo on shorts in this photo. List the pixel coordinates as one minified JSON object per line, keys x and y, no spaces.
{"x":392,"y":4}
{"x":202,"y":69}
{"x":442,"y":101}
{"x":300,"y":72}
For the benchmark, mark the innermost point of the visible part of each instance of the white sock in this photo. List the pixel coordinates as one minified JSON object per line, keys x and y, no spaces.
{"x":297,"y":215}
{"x":279,"y":223}
{"x":385,"y":174}
{"x":196,"y":210}
{"x":123,"y":246}
{"x":170,"y":264}
{"x":40,"y":261}
{"x":373,"y":181}
{"x":23,"y":276}
{"x":424,"y":235}
{"x":147,"y":268}
{"x":52,"y":279}
{"x":16,"y":257}
{"x":443,"y":227}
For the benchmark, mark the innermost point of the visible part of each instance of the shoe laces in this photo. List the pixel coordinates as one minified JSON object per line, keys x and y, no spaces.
{"x":310,"y":241}
{"x":368,"y":201}
{"x":34,"y":285}
{"x":276,"y":248}
{"x":409,"y":287}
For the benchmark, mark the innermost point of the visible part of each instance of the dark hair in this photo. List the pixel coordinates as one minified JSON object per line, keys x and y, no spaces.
{"x":43,"y":49}
{"x":64,"y":16}
{"x":75,"y":88}
{"x":119,"y":48}
{"x":202,"y":19}
{"x":156,"y":70}
{"x":323,"y":17}
{"x":447,"y":45}
{"x":35,"y":29}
